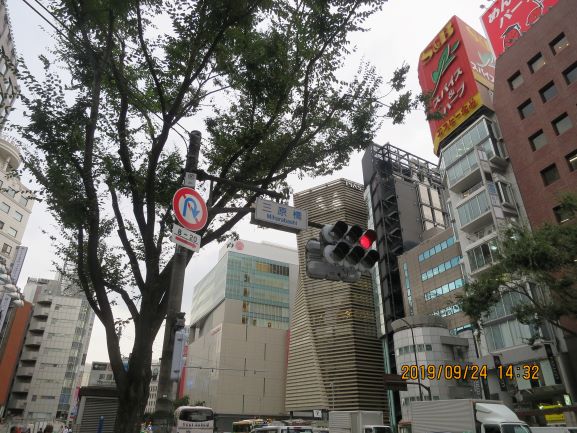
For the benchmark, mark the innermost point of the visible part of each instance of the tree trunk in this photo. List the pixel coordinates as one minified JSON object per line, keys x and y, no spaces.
{"x":132,"y":402}
{"x":133,"y":394}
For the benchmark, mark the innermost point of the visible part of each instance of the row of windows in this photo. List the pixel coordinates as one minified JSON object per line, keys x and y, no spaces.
{"x":437,"y":249}
{"x":440,"y":269}
{"x":445,"y":288}
{"x":272,"y":268}
{"x":411,"y":349}
{"x":6,"y":209}
{"x":10,"y":230}
{"x":12,"y":193}
{"x":465,"y":143}
{"x":560,"y":124}
{"x":473,"y":208}
{"x":448,"y":311}
{"x":550,"y":173}
{"x":538,"y":61}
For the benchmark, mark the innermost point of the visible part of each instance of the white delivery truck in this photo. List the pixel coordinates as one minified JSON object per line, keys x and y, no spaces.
{"x":357,"y":421}
{"x":464,"y":416}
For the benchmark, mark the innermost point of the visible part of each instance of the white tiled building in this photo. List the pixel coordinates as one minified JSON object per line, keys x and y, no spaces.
{"x":15,"y":202}
{"x":54,"y":351}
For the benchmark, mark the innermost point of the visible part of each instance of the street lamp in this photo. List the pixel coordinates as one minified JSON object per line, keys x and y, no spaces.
{"x":416,"y":360}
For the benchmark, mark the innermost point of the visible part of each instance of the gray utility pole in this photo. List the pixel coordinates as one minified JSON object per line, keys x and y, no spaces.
{"x":416,"y":360}
{"x":166,"y":386}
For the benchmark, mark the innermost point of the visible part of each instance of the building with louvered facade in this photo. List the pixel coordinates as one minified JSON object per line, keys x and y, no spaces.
{"x":335,"y":358}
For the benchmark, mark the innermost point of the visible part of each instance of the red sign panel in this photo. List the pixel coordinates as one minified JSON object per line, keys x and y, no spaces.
{"x":506,"y":20}
{"x":189,"y":209}
{"x":450,"y":69}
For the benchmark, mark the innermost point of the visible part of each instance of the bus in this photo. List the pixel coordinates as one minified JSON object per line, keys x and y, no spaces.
{"x":246,"y":425}
{"x":193,"y":419}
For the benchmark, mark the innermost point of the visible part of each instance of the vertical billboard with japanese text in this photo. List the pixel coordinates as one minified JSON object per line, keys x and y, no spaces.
{"x":505,"y":21}
{"x":457,"y":71}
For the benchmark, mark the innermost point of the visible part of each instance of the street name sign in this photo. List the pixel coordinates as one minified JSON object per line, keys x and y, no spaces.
{"x":189,"y":209}
{"x":279,"y":216}
{"x":185,"y":238}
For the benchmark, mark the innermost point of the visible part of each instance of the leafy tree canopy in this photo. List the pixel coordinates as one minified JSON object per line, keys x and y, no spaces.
{"x":539,"y":266}
{"x":106,"y":144}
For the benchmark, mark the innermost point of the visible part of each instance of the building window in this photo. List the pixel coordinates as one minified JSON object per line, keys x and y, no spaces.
{"x":562,"y":215}
{"x":23,"y":201}
{"x":562,"y":124}
{"x":538,"y":140}
{"x":1,"y":225}
{"x":570,"y":73}
{"x":559,"y":43}
{"x":548,"y":92}
{"x":11,"y":192}
{"x":473,"y":209}
{"x":550,"y":174}
{"x":536,"y":63}
{"x":526,"y":109}
{"x":515,"y":80}
{"x":483,"y":255}
{"x":505,"y":193}
{"x":12,"y":231}
{"x":4,"y":207}
{"x":572,"y":160}
{"x":6,"y":248}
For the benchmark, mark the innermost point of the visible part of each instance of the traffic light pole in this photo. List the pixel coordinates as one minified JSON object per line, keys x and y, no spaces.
{"x":166,"y":386}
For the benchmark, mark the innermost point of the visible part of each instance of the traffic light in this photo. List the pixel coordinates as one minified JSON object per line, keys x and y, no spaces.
{"x":342,"y":252}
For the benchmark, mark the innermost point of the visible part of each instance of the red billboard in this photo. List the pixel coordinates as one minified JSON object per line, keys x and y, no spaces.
{"x":451,"y":69}
{"x":505,"y":21}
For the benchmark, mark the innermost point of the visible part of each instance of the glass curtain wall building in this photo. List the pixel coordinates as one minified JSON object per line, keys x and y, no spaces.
{"x":238,"y":339}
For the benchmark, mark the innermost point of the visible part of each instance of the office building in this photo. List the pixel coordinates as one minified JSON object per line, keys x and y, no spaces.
{"x":404,"y":199}
{"x":15,"y":207}
{"x":535,"y":94}
{"x":423,"y":342}
{"x":8,"y":85}
{"x":335,"y":358}
{"x":12,"y":334}
{"x":238,"y":338}
{"x":54,"y":351}
{"x":484,"y":200}
{"x":431,"y":276}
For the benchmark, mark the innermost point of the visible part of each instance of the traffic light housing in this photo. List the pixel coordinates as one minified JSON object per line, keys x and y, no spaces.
{"x":342,"y":252}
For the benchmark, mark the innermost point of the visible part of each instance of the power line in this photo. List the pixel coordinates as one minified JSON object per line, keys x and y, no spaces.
{"x":74,"y":39}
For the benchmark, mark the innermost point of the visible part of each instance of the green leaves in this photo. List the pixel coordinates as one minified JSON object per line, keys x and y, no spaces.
{"x":540,"y":266}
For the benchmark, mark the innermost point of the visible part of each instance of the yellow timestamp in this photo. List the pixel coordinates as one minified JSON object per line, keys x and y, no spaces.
{"x":447,"y":372}
{"x":522,"y":371}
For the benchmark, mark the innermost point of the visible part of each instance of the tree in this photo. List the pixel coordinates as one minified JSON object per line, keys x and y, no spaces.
{"x":265,"y":76}
{"x":538,"y":268}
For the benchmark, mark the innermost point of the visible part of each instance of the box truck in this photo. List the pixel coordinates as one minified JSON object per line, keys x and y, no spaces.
{"x":465,"y":416}
{"x":357,"y":421}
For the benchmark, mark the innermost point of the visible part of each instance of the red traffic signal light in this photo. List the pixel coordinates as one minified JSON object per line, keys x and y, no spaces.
{"x":367,"y":239}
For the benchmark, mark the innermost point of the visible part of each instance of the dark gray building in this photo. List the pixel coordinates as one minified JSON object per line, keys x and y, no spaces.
{"x":404,"y":196}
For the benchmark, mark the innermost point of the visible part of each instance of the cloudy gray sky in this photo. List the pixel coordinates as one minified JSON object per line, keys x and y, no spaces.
{"x":397,"y":34}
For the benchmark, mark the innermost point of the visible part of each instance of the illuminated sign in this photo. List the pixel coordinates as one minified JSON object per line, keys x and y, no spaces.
{"x":450,"y":70}
{"x":505,"y":21}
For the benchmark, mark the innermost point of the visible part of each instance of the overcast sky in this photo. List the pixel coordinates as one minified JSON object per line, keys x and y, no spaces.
{"x":397,"y":34}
